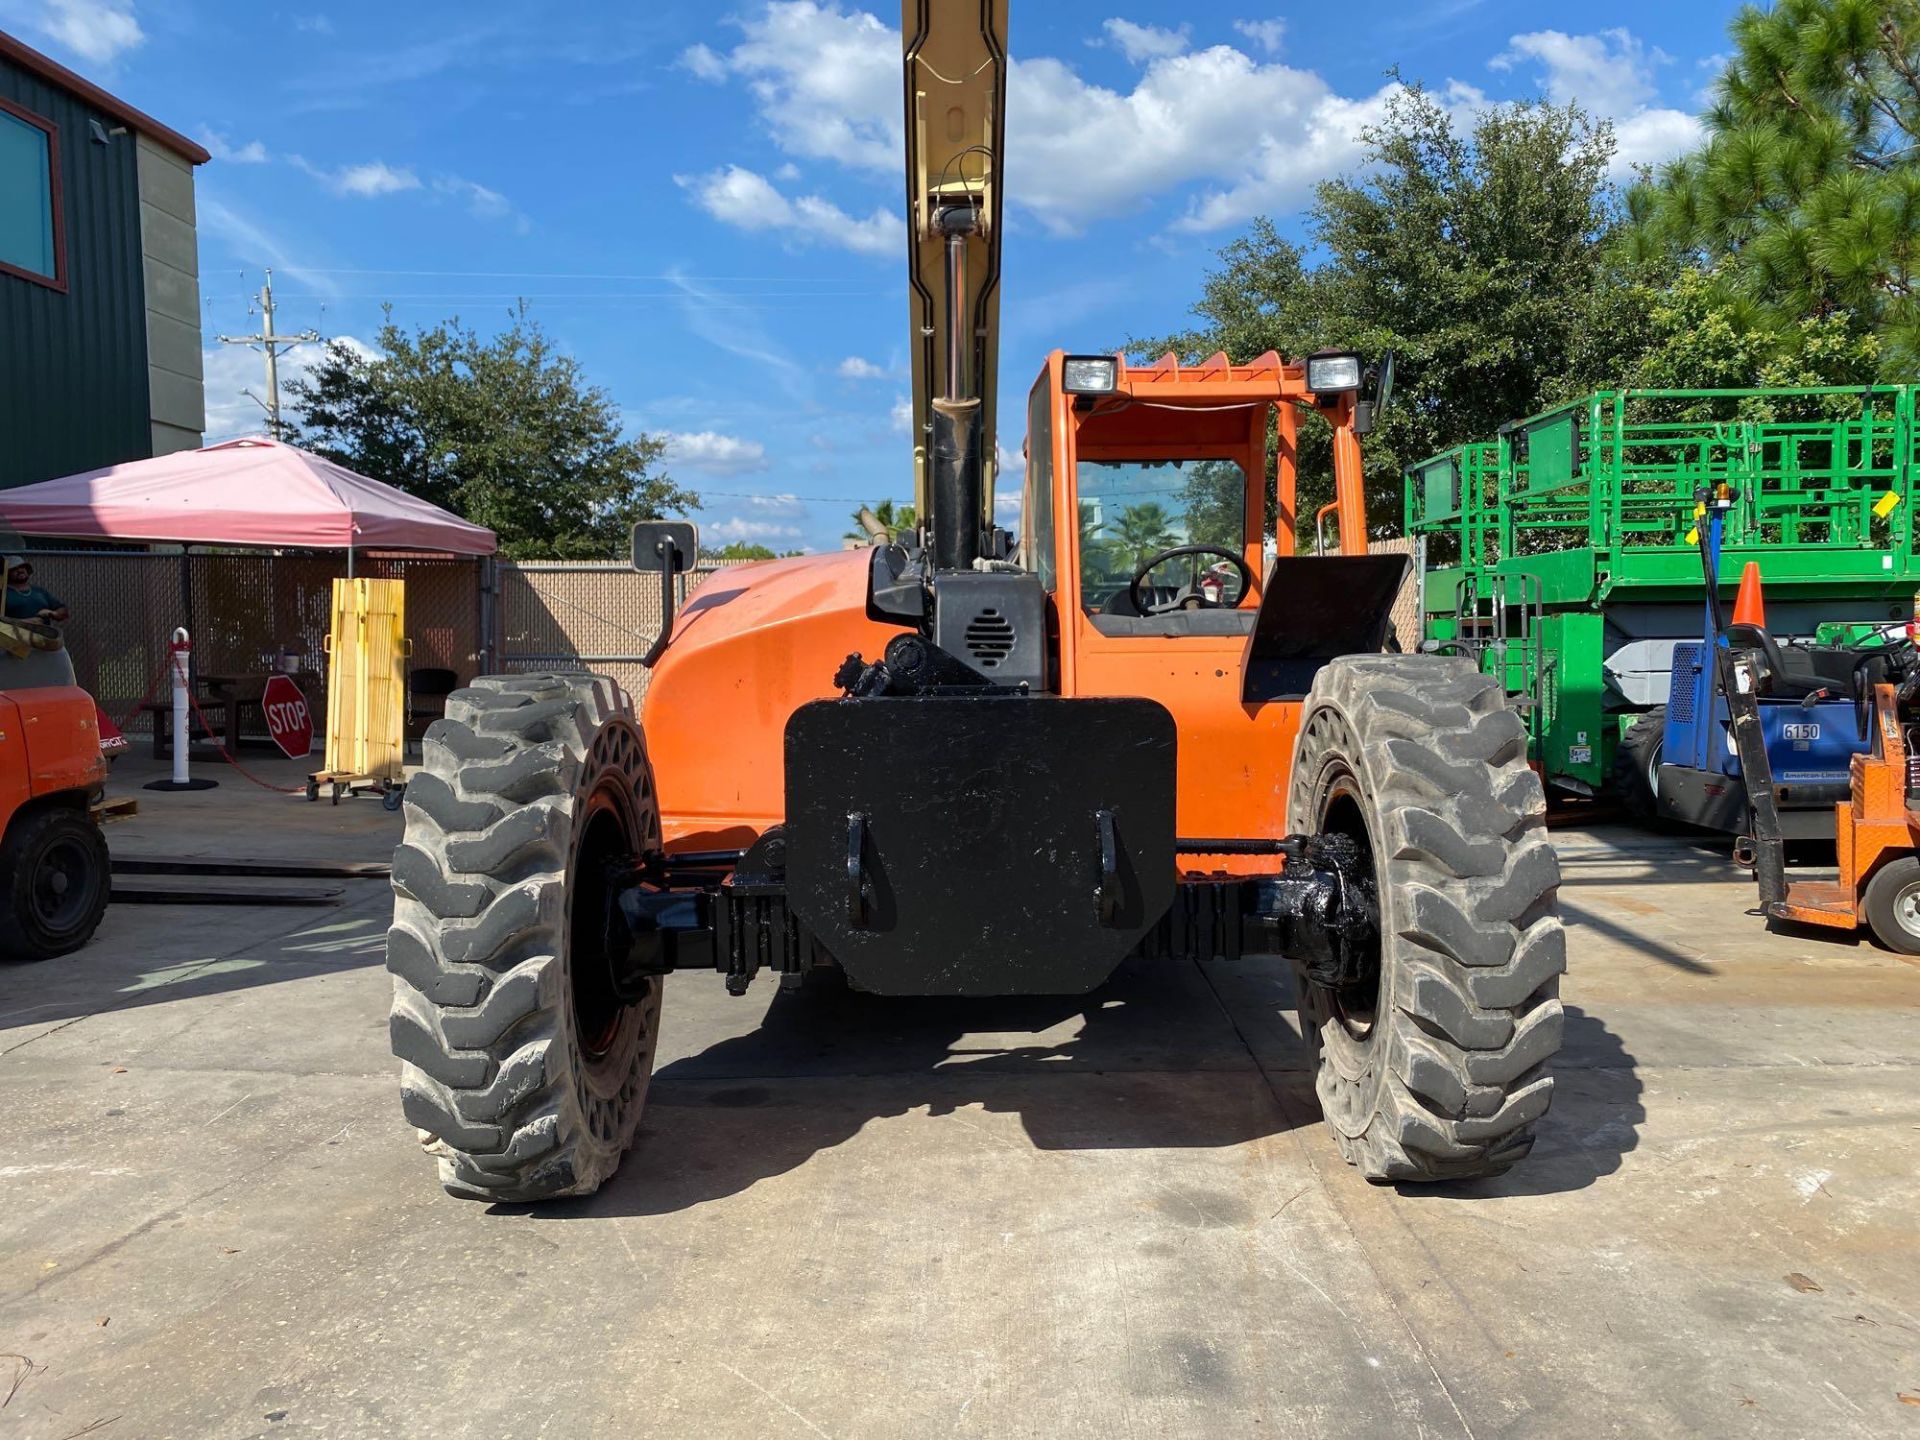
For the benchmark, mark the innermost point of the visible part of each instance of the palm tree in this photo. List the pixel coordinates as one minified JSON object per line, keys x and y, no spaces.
{"x":1141,"y":531}
{"x":893,"y":517}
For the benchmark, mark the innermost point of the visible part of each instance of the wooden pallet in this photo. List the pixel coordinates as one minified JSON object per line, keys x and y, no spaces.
{"x":120,"y":807}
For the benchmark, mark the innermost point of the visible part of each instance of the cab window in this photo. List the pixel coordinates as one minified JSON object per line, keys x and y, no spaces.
{"x":1132,"y":509}
{"x":1036,"y":530}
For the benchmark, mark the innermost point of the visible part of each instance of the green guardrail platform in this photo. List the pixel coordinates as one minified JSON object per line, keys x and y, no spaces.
{"x":1561,"y":553}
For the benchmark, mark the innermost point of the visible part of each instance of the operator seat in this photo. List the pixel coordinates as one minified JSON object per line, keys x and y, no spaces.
{"x":1796,"y":671}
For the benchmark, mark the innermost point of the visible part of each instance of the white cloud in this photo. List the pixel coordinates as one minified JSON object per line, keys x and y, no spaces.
{"x":1240,"y":133}
{"x":774,"y":534}
{"x":481,"y":203}
{"x":1263,"y":134}
{"x":376,"y":177}
{"x":1267,"y":34}
{"x":1140,"y":43}
{"x":218,"y":146}
{"x":1610,"y":74}
{"x":373,"y":178}
{"x":773,"y":520}
{"x":1652,"y":136}
{"x":313,"y":24}
{"x":855,"y":368}
{"x":1008,"y":462}
{"x":714,"y":453}
{"x":100,"y":31}
{"x":748,"y":200}
{"x":230,"y":369}
{"x":701,"y":62}
{"x":901,"y":416}
{"x":827,"y":82}
{"x":1006,"y":506}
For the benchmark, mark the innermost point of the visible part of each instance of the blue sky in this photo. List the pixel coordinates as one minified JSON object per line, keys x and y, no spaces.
{"x":701,"y":201}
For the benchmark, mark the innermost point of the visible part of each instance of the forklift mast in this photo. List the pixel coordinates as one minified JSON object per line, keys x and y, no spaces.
{"x":955,"y":75}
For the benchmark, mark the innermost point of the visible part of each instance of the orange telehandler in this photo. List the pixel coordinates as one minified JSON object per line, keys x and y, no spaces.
{"x":55,"y":877}
{"x":977,"y":763}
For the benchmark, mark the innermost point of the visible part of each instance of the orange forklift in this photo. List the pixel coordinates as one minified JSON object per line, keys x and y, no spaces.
{"x":1877,"y":827}
{"x":55,"y":873}
{"x":1876,"y":832}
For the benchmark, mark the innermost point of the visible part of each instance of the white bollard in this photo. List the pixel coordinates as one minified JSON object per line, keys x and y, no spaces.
{"x":178,"y":657}
{"x":179,"y":660}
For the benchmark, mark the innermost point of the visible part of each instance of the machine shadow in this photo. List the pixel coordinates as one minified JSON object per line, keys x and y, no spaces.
{"x":828,"y":1060}
{"x":117,"y":972}
{"x":1147,"y":1061}
{"x":1595,"y":1121}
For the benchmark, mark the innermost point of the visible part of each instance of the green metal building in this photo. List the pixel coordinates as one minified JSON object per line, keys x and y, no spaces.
{"x":1563,"y":553}
{"x":99,"y":277}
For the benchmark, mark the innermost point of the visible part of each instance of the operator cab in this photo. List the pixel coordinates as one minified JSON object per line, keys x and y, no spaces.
{"x":1164,"y":469}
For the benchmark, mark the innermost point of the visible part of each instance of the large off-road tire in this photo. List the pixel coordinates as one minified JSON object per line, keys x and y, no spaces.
{"x":1636,"y":767}
{"x":523,"y":1074}
{"x":55,"y":881}
{"x":1434,"y":1065}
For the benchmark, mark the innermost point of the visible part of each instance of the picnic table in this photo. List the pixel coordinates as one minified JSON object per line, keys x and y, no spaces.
{"x":224,"y":697}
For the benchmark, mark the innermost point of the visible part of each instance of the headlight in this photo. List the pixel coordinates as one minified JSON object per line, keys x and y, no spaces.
{"x":1089,"y":374}
{"x":1332,"y":374}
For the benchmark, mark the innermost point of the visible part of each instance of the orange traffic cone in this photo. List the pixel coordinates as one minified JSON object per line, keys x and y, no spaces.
{"x":1748,"y":606}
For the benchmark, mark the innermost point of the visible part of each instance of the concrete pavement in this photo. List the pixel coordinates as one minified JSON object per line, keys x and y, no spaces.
{"x":1113,"y":1216}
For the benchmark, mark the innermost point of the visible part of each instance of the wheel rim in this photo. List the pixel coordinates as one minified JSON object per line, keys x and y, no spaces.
{"x":605,"y":839}
{"x":1653,"y":770}
{"x":616,"y":819}
{"x":1342,"y":813}
{"x":64,"y":886}
{"x":1906,"y":908}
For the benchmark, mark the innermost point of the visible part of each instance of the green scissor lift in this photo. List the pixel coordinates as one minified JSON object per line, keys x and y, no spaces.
{"x":1562,"y":554}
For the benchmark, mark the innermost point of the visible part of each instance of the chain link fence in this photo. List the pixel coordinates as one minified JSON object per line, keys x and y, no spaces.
{"x":244,"y":609}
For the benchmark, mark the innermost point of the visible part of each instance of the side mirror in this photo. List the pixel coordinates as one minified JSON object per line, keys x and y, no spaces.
{"x":1383,"y":382}
{"x":669,"y":546}
{"x":673,"y":543}
{"x":1379,"y":394}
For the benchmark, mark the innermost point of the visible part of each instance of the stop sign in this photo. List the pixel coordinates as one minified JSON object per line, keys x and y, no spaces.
{"x":289,"y":720}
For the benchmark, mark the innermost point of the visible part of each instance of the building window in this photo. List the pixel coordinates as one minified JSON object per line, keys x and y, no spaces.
{"x":30,"y":228}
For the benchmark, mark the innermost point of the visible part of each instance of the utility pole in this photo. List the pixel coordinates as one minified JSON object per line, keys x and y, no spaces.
{"x":272,"y":345}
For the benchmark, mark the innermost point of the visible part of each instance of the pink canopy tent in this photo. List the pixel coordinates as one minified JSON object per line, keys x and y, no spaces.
{"x":257,"y":493}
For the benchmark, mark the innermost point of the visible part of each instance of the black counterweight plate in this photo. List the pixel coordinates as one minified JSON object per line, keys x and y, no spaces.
{"x":982,"y":855}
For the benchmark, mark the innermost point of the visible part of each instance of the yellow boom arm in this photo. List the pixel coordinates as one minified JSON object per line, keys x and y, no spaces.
{"x":955,"y":54}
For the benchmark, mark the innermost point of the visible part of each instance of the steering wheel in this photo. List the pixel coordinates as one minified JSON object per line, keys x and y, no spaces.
{"x":1191,"y":597}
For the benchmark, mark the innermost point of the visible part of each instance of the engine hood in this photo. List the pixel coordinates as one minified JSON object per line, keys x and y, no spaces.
{"x":753,"y":644}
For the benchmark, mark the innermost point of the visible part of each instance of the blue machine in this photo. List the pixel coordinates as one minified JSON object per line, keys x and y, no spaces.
{"x":1808,"y":714}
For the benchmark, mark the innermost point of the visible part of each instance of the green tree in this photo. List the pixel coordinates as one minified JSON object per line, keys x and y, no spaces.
{"x":1690,"y":333}
{"x":1806,"y":195}
{"x":747,"y":550}
{"x":504,"y":431}
{"x":1472,"y":251}
{"x":894,"y":517}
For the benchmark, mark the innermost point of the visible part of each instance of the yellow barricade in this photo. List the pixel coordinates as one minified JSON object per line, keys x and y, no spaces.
{"x":366,"y":686}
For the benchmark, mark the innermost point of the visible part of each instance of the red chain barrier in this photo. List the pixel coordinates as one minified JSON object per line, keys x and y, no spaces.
{"x":194,"y":703}
{"x":152,"y":685}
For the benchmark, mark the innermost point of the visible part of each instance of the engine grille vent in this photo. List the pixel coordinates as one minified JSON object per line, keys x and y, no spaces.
{"x":989,"y":638}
